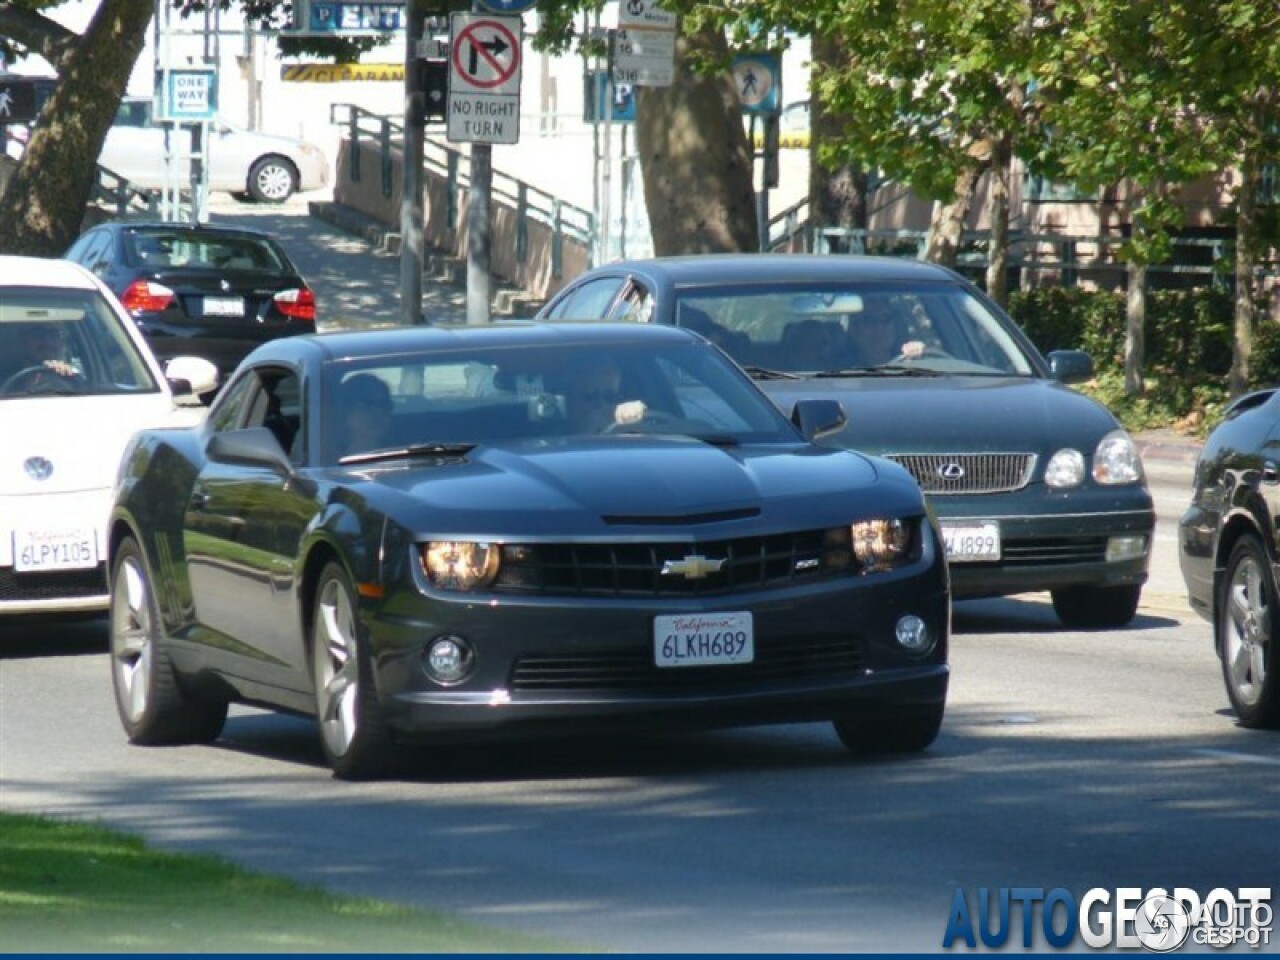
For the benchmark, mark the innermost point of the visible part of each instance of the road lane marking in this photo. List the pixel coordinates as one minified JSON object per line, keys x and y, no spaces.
{"x":1239,"y":757}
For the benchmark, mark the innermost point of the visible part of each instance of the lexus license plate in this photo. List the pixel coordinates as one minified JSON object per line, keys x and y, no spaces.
{"x":224,"y":306}
{"x":703,"y":639}
{"x":972,"y":542}
{"x":35,"y":550}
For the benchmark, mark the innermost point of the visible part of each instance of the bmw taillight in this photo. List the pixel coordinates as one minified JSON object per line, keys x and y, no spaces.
{"x":143,"y":296}
{"x":297,"y":304}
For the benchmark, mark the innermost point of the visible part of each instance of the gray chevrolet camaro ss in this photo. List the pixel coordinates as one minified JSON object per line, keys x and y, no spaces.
{"x":1035,"y":486}
{"x":424,"y":535}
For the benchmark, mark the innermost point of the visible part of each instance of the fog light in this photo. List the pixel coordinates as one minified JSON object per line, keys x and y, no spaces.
{"x":913,"y":634}
{"x":448,"y":660}
{"x":1126,"y":548}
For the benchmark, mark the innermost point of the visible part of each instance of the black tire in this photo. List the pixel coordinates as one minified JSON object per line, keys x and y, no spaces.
{"x":1246,"y":624}
{"x":891,"y":732}
{"x":153,"y":707}
{"x":272,"y":180}
{"x":355,"y":738}
{"x":1096,"y":608}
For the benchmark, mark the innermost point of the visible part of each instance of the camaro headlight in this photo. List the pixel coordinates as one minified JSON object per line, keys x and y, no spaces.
{"x":881,"y":542}
{"x":460,"y":565}
{"x":1116,"y":460}
{"x":1065,"y":469}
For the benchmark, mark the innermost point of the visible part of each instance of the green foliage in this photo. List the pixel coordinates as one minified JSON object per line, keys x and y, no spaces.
{"x":1187,"y":348}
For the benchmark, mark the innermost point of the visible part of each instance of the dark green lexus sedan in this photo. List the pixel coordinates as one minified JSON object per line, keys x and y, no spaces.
{"x":1036,"y":487}
{"x":519,"y":530}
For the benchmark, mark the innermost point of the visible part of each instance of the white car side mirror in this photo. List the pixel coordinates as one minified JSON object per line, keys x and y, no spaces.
{"x":190,"y":377}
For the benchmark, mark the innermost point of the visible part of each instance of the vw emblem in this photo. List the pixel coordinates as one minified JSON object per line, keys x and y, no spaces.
{"x":692,"y":568}
{"x":951,"y":471}
{"x":38,"y":468}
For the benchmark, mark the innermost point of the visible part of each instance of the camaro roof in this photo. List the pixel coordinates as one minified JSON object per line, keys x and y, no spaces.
{"x":389,"y":341}
{"x":774,"y":267}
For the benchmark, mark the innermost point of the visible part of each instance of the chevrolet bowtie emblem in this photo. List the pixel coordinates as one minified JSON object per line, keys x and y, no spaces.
{"x":692,"y":568}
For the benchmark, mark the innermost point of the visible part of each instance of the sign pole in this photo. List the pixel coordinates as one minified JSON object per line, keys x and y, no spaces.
{"x":412,"y":218}
{"x":479,"y":238}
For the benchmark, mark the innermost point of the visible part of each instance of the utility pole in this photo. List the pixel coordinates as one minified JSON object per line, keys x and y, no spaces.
{"x":412,"y":217}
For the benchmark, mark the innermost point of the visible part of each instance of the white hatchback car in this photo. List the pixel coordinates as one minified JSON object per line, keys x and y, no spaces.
{"x":250,"y":165}
{"x":76,"y":381}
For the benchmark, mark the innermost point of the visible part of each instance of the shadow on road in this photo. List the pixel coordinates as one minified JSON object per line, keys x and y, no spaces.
{"x":46,"y":636}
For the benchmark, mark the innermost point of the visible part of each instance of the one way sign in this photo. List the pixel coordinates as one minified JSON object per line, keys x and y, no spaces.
{"x":484,"y":78}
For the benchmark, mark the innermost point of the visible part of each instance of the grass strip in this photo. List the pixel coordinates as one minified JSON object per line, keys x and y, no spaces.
{"x":72,"y":887}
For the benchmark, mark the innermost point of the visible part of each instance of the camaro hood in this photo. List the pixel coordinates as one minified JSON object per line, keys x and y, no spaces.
{"x":590,"y":485}
{"x":68,"y":444}
{"x":955,"y":414}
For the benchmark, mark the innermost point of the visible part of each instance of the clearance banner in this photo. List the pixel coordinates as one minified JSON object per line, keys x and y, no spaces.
{"x":341,"y":72}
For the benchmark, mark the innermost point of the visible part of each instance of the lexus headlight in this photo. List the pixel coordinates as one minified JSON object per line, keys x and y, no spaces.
{"x":1065,"y":469}
{"x":1116,"y":460}
{"x":460,"y":565}
{"x":881,"y":542}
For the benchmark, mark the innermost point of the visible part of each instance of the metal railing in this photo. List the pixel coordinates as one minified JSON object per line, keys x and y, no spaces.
{"x":1067,"y":256}
{"x":565,"y":220}
{"x":117,"y":196}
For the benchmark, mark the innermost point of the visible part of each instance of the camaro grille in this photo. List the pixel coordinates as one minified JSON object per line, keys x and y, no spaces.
{"x":635,"y":569}
{"x":820,"y":657}
{"x":54,"y":585}
{"x":944,"y":473}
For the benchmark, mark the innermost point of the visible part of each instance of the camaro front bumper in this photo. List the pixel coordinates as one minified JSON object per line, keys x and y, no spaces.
{"x":822,"y":651}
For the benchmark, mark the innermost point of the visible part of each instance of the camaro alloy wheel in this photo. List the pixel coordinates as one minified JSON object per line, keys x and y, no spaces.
{"x":356,"y":741}
{"x":1246,"y":635}
{"x":153,"y":707}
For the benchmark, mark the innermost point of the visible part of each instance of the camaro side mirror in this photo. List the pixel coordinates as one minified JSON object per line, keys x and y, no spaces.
{"x":256,"y":446}
{"x":818,"y":418}
{"x":1070,"y":366}
{"x":189,"y":377}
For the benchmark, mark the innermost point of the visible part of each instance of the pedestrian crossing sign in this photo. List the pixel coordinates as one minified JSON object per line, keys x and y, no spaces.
{"x":758,"y":79}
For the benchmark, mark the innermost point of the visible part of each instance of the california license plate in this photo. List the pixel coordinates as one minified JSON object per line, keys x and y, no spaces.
{"x":224,"y":306}
{"x":35,"y":550}
{"x":703,"y":639}
{"x":972,"y":542}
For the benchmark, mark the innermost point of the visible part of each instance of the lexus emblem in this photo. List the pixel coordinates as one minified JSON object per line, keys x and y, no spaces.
{"x":692,"y":568}
{"x":951,"y":471}
{"x":38,"y":468}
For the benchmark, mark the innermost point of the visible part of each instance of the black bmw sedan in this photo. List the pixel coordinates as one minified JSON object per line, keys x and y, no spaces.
{"x":200,"y":290}
{"x":1227,"y":545}
{"x":1036,"y":486}
{"x":519,"y":530}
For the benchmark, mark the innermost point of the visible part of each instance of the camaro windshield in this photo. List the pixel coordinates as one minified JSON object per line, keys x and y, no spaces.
{"x":858,"y":330}
{"x":420,"y":404}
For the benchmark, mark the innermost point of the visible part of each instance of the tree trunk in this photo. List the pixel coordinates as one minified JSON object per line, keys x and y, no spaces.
{"x":998,"y":215}
{"x":42,"y":211}
{"x":947,"y":223}
{"x":696,"y":158}
{"x":837,"y":195}
{"x":1135,"y":325}
{"x":1246,"y":242}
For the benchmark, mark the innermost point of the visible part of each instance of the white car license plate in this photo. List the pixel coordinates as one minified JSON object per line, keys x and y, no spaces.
{"x":35,"y":550}
{"x":224,"y":306}
{"x":972,"y":542}
{"x":703,"y":639}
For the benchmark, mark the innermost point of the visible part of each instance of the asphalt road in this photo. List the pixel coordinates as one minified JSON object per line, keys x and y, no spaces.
{"x":1067,"y":760}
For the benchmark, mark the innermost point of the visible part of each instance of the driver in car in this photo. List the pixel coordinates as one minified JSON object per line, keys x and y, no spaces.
{"x":41,"y":347}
